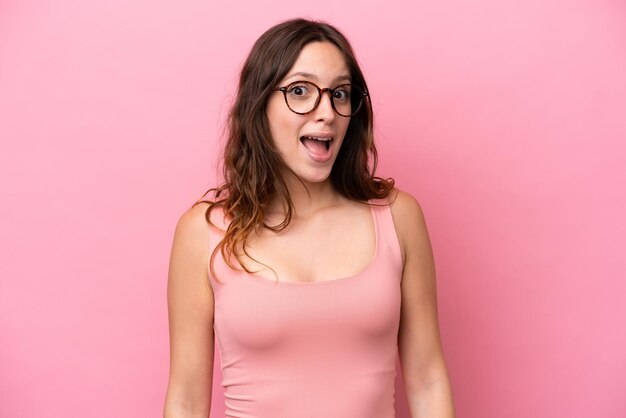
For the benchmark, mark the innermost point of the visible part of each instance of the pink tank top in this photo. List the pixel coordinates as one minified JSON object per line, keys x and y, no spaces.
{"x":311,"y":349}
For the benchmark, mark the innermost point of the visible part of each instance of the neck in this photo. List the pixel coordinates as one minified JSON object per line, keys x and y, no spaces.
{"x":320,"y":195}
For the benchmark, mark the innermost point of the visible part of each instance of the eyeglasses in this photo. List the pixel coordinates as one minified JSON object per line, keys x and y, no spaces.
{"x":303,"y":97}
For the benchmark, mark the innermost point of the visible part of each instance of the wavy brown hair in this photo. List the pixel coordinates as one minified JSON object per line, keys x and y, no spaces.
{"x":251,"y":163}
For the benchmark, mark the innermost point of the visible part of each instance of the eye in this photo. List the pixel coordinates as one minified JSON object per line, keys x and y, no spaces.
{"x":299,"y":90}
{"x":342,"y":93}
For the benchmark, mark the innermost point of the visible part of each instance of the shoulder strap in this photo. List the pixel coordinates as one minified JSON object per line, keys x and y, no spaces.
{"x":390,"y":241}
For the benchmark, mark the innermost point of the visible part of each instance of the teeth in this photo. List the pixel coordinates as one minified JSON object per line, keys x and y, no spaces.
{"x":318,"y":139}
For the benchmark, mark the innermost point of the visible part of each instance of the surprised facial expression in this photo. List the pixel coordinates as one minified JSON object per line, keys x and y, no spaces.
{"x":308,"y":144}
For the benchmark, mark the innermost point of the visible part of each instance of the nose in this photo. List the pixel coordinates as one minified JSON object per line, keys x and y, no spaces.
{"x":324,"y":110}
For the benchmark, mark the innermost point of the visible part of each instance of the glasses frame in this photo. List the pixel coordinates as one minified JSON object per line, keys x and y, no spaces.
{"x":320,"y":91}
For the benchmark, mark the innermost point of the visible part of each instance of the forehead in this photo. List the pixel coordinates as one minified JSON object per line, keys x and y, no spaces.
{"x":319,"y":61}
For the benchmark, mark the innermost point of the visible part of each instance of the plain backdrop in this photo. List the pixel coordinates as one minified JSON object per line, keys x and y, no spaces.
{"x":505,"y":119}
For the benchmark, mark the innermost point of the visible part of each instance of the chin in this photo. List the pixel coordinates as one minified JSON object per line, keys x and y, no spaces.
{"x":314,"y":179}
{"x":318,"y":177}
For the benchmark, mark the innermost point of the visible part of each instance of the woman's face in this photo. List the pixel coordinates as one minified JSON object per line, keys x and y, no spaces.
{"x":323,"y":64}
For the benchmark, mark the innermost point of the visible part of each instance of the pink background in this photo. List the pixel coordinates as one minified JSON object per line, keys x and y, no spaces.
{"x":506,"y":119}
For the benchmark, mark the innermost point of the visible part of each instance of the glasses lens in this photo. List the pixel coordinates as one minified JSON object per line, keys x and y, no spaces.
{"x":301,"y":96}
{"x":348,"y":99}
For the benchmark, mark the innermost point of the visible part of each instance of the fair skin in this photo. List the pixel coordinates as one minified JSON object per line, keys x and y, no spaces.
{"x":190,"y":299}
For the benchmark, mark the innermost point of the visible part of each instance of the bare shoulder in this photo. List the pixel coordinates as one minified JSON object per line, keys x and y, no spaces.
{"x":403,"y":204}
{"x":192,"y":223}
{"x":408,"y":218}
{"x":190,"y":247}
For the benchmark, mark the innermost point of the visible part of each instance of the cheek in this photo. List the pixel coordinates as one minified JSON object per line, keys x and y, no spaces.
{"x":284,"y":124}
{"x":344,"y":125}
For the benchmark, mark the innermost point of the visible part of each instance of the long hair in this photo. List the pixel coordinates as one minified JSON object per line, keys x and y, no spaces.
{"x":251,"y":163}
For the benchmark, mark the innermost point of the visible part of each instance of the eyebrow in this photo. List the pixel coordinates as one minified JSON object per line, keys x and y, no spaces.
{"x":314,"y":77}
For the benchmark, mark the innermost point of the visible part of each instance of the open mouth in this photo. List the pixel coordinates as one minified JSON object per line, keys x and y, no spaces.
{"x":316,"y":145}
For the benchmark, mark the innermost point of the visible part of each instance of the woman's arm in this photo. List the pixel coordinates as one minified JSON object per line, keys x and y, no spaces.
{"x":190,"y":310}
{"x":423,"y":367}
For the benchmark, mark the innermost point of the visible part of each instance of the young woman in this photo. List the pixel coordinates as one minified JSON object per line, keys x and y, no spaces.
{"x":312,"y":273}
